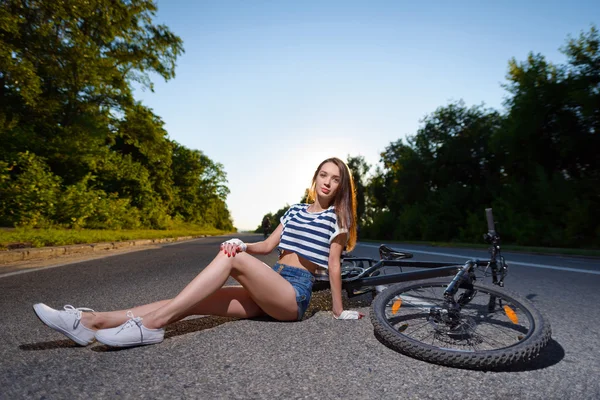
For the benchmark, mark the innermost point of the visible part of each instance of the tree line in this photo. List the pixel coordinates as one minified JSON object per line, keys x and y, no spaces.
{"x":77,"y":149}
{"x":536,"y":164}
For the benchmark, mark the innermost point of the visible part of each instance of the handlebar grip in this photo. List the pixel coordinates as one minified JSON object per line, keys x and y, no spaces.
{"x":490,"y":220}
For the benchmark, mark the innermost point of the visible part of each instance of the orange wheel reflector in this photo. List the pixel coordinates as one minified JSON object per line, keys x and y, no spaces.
{"x":396,"y":306}
{"x":511,"y":314}
{"x":403,"y":328}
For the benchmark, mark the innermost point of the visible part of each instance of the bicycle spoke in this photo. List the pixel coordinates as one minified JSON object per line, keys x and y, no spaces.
{"x":488,"y":340}
{"x":482,"y":332}
{"x":417,"y":328}
{"x":423,"y":338}
{"x":508,"y":332}
{"x":435,"y":298}
{"x":434,"y":295}
{"x":479,"y":328}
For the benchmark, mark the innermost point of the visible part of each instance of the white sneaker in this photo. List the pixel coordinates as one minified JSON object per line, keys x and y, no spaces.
{"x":131,"y":333}
{"x":67,"y":322}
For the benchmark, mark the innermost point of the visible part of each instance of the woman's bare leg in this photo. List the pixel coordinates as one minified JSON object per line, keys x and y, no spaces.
{"x":229,"y":301}
{"x":271,"y":292}
{"x":111,"y":319}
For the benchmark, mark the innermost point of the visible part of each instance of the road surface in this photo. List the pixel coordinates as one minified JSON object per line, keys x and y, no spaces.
{"x":318,"y":357}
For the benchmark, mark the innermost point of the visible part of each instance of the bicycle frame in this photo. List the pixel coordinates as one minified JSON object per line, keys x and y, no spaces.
{"x":456,"y":320}
{"x":429,"y":270}
{"x":369,"y":278}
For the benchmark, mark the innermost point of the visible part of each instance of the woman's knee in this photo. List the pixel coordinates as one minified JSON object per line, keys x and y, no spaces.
{"x":240,"y":261}
{"x":235,"y":261}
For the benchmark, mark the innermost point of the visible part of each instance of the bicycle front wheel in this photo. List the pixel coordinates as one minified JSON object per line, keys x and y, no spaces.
{"x":493,"y":328}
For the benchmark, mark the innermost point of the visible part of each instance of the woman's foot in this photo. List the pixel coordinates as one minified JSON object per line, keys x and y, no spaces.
{"x":67,"y":322}
{"x":131,"y":333}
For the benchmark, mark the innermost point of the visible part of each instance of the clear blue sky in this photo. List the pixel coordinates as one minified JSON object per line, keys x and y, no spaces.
{"x":271,"y":88}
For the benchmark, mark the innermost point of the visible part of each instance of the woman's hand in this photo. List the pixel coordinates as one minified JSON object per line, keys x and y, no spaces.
{"x":233,"y":246}
{"x":348,"y":314}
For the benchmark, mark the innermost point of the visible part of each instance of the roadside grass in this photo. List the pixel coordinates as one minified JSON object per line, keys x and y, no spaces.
{"x":507,"y":247}
{"x":28,"y":237}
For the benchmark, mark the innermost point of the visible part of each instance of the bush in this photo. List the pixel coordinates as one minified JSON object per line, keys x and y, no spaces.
{"x":474,"y":227}
{"x":77,"y":203}
{"x":111,"y":212}
{"x":382,"y":227}
{"x":29,"y":192}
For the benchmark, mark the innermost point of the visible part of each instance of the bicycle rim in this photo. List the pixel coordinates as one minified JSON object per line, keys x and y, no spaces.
{"x":494,"y":328}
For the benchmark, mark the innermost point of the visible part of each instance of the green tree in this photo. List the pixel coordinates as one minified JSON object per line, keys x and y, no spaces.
{"x":430,"y":183}
{"x":359,"y":168}
{"x":66,"y":74}
{"x":200,"y":188}
{"x":68,"y":118}
{"x":549,"y":143}
{"x":537,"y":165}
{"x":274,"y":217}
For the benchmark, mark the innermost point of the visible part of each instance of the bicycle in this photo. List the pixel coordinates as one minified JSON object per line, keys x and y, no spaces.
{"x":266,"y":228}
{"x":460,"y":323}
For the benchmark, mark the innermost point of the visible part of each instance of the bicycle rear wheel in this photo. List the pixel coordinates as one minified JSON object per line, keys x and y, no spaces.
{"x":495,"y":328}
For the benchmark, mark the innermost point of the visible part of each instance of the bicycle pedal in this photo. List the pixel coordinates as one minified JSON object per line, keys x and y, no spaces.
{"x":358,"y":292}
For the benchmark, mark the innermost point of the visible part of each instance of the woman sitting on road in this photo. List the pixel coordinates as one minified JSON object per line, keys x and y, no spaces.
{"x":311,"y":237}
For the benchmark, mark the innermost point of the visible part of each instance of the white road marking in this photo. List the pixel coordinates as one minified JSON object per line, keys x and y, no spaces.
{"x":464,"y":257}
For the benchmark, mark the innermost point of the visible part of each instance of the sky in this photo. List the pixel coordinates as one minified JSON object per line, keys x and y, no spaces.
{"x":269,"y":89}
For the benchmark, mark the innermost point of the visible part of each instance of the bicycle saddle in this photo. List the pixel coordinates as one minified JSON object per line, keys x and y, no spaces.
{"x":387,"y":253}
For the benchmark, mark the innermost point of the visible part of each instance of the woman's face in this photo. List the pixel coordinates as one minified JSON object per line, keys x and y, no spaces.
{"x":327,"y":182}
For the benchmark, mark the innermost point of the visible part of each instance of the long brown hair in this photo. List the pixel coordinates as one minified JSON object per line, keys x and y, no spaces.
{"x":344,"y":201}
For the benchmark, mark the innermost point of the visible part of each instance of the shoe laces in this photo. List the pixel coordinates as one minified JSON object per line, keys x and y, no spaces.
{"x":133,"y":320}
{"x":77,"y":311}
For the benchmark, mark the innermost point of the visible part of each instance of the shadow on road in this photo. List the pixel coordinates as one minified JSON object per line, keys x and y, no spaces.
{"x":550,"y":355}
{"x":180,"y":328}
{"x":321,"y":301}
{"x":195,"y":325}
{"x":55,"y":344}
{"x":175,"y":329}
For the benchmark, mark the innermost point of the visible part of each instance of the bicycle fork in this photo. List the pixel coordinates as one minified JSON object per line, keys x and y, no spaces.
{"x":463,"y":279}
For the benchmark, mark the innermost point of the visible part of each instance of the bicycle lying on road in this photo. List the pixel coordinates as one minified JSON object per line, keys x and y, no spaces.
{"x":461,"y":322}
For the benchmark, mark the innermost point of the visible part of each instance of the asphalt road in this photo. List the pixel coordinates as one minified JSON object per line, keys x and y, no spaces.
{"x":319,"y":357}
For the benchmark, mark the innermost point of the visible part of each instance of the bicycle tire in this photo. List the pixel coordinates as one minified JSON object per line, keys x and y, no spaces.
{"x":392,"y":329}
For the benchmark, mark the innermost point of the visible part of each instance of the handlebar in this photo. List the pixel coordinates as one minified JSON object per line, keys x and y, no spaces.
{"x":490,"y":221}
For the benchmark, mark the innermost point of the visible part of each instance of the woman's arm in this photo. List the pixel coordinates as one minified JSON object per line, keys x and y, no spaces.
{"x":335,"y":272}
{"x":267,"y":245}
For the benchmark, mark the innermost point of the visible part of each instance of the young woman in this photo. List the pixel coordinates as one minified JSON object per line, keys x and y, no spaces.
{"x":311,"y":238}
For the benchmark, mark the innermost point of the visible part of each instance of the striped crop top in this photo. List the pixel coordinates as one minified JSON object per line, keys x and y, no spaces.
{"x":309,"y":234}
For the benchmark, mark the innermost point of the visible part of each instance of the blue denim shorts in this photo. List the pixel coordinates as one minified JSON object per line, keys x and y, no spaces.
{"x":302,"y":282}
